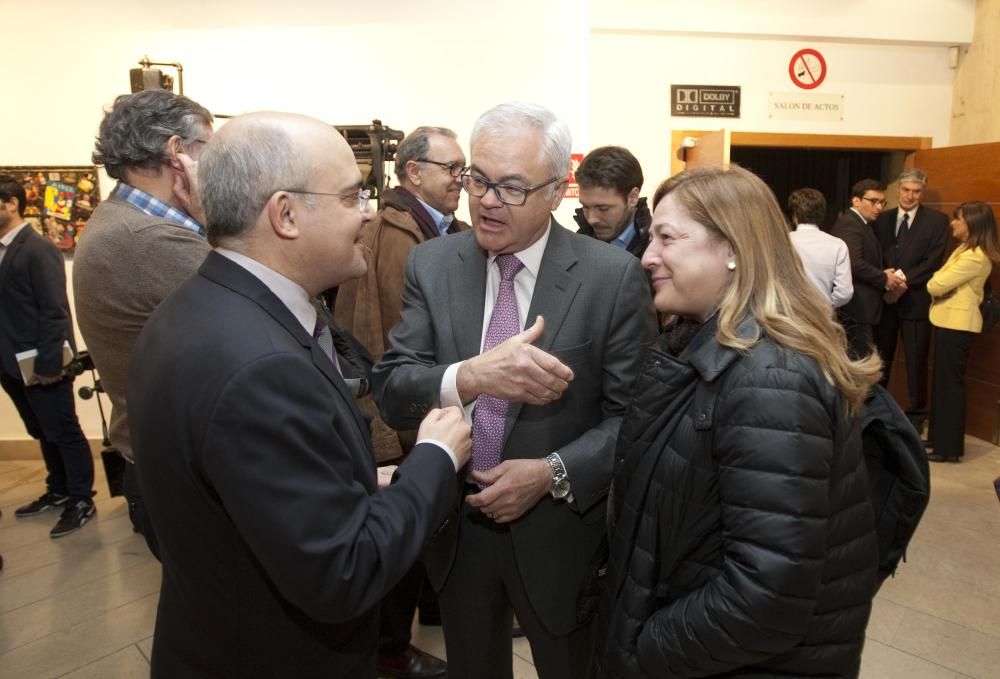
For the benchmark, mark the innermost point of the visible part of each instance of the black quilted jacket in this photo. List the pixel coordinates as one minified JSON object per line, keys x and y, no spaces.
{"x":742,"y":540}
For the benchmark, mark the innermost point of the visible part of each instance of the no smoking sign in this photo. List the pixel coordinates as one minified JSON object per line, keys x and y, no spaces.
{"x":807,"y":69}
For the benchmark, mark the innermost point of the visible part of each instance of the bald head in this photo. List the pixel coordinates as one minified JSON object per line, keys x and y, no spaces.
{"x":255,"y":155}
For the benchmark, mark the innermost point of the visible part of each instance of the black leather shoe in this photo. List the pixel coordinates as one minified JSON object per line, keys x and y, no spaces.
{"x":938,"y":457}
{"x":412,"y":664}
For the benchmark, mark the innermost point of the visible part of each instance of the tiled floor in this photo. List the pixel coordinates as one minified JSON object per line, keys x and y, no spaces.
{"x":83,"y":606}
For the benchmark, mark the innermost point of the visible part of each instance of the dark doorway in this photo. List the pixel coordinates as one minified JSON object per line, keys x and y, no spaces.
{"x":831,"y":172}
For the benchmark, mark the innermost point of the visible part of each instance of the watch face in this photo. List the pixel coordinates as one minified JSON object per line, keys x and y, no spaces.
{"x":560,"y":489}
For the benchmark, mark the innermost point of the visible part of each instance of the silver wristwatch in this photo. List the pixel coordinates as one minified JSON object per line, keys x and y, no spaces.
{"x":560,"y":481}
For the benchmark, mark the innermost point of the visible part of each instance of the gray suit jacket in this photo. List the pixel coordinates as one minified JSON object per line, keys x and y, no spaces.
{"x":598,"y":321}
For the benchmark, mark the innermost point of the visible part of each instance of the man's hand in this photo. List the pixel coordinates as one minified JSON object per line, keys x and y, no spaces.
{"x":515,"y":371}
{"x":895,"y":283}
{"x":186,"y":188}
{"x":47,"y":379}
{"x":512,"y":488}
{"x":385,"y":475}
{"x":448,"y":426}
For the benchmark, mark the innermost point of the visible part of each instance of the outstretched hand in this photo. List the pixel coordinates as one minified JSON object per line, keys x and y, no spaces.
{"x":516,"y":371}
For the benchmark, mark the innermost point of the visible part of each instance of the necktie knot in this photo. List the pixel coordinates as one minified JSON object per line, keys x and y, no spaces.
{"x":509,"y":266}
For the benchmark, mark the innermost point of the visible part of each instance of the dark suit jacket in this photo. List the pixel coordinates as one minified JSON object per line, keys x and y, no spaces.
{"x":34,"y":310}
{"x":866,"y":267}
{"x":598,"y":321}
{"x":257,"y":472}
{"x":921,"y":255}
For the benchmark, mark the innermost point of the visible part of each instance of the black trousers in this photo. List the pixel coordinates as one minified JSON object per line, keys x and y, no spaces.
{"x":49,"y":415}
{"x":947,"y":427}
{"x":860,"y":337}
{"x":398,"y":608}
{"x":478,"y":603}
{"x":916,"y":334}
{"x":137,"y":513}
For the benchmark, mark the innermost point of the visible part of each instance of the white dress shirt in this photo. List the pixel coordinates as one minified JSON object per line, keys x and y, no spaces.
{"x":826,"y":261}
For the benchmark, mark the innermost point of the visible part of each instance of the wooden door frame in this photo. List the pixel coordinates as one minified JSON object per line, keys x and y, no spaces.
{"x":857,"y":142}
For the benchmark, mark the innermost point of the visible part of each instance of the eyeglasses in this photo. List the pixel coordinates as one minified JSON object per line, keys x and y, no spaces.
{"x":875,"y":201}
{"x":477,"y":186}
{"x":363,"y":195}
{"x":454,"y":169}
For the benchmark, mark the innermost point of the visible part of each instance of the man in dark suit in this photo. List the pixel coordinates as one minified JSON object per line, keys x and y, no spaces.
{"x":277,"y":543}
{"x":913,"y":238}
{"x":34,"y":315}
{"x":856,"y":228}
{"x":547,"y":401}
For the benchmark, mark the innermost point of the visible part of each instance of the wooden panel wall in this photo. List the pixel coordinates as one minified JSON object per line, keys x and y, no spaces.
{"x":957,"y":174}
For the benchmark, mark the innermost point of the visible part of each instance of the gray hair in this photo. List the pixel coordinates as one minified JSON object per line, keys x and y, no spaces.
{"x":135,"y":131}
{"x":557,"y":143}
{"x":238,"y":174}
{"x":914,"y":174}
{"x":415,"y":146}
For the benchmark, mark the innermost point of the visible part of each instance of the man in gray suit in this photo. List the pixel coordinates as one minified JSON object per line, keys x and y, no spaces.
{"x":546,"y":402}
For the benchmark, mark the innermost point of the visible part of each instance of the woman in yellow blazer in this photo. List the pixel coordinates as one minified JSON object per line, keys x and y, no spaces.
{"x":957,"y":291}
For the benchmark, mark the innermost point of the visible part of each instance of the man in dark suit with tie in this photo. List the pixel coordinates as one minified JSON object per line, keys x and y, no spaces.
{"x":276,"y":540}
{"x":855,"y":226}
{"x":34,"y":315}
{"x":546,"y":402}
{"x":913,"y":238}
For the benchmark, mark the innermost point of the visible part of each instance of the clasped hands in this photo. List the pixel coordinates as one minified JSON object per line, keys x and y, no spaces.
{"x":895,"y":282}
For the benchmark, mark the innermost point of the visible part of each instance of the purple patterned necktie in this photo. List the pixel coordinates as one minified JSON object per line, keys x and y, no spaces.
{"x":490,"y":412}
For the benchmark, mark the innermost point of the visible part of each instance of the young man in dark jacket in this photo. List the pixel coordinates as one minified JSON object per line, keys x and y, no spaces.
{"x":610,"y":179}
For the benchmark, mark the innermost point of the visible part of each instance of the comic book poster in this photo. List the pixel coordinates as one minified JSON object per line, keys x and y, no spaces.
{"x":58,"y":200}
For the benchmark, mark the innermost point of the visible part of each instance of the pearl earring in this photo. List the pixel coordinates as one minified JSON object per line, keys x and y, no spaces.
{"x":731,"y":266}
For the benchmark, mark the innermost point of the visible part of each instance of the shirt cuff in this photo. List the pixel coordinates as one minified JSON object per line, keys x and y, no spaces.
{"x":449,"y":392}
{"x":454,"y":459}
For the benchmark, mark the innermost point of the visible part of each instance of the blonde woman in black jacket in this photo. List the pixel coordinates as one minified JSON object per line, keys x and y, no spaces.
{"x":742,"y":539}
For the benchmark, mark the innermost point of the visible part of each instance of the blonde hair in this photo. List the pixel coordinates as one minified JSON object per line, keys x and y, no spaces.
{"x":769,"y":281}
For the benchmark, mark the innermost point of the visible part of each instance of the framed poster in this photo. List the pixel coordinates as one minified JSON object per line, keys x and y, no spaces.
{"x":58,"y":200}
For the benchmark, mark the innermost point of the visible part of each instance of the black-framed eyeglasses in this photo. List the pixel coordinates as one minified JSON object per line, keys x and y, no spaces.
{"x":454,"y":169}
{"x":880,"y":202}
{"x":363,"y":195}
{"x":477,"y":186}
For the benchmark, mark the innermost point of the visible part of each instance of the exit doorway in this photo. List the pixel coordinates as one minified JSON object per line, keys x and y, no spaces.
{"x":829,"y":163}
{"x":832,"y":172}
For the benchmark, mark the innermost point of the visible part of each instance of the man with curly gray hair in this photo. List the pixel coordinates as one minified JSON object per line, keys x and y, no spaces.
{"x":139,"y":244}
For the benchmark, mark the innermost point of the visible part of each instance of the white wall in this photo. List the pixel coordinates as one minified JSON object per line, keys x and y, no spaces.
{"x":890,"y":89}
{"x":941,"y":22}
{"x":446,"y":61}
